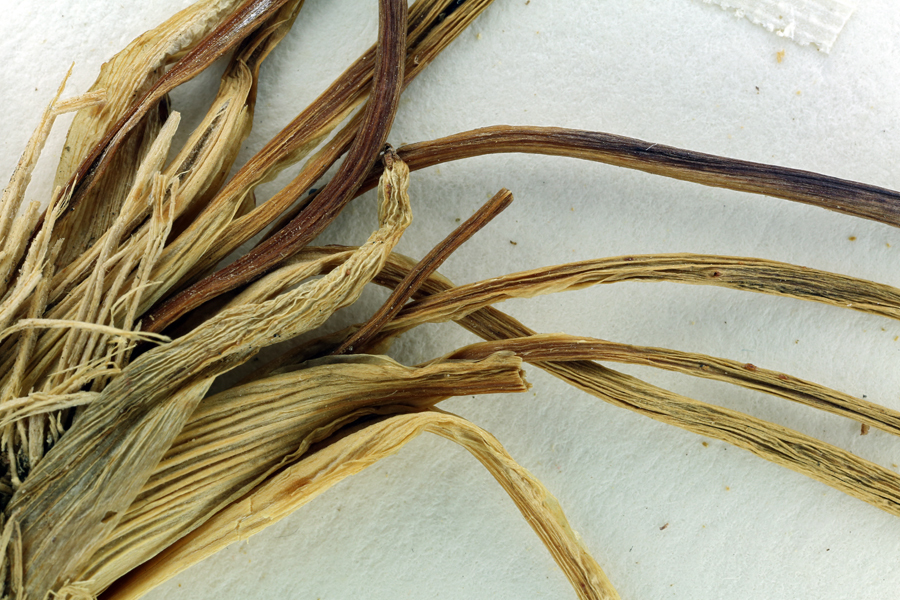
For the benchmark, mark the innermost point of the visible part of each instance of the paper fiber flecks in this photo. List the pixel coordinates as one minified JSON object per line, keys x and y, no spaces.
{"x":817,"y":22}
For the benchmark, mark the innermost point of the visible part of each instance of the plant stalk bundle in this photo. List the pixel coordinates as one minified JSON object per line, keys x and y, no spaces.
{"x":187,"y":357}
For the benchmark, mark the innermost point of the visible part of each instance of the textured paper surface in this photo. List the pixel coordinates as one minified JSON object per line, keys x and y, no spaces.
{"x":817,"y":22}
{"x":430,"y":522}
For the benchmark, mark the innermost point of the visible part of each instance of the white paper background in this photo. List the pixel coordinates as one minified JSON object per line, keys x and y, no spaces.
{"x":430,"y":522}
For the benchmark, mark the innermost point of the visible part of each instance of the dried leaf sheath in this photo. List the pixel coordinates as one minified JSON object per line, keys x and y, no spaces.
{"x":245,"y":19}
{"x":200,"y":166}
{"x":131,"y":72}
{"x":118,"y":440}
{"x":124,"y":77}
{"x":311,"y":476}
{"x":232,"y":442}
{"x":123,"y":262}
{"x":122,"y":275}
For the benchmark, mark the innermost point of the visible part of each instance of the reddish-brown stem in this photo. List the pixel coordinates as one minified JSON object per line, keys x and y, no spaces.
{"x":431,"y":26}
{"x":380,"y":111}
{"x":424,"y":269}
{"x":848,"y":197}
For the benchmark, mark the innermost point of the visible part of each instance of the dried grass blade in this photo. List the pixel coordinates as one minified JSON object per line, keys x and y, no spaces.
{"x":440,"y":300}
{"x":433,"y":24}
{"x":823,"y":462}
{"x":563,"y":348}
{"x":202,"y":166}
{"x":311,"y":476}
{"x":840,"y":469}
{"x":746,"y":274}
{"x":238,"y":438}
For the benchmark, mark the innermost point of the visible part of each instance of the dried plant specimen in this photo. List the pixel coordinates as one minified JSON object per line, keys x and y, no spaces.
{"x":88,"y":344}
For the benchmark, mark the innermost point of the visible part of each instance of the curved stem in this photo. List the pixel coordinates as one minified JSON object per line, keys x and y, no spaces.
{"x":848,"y":197}
{"x":431,"y":26}
{"x":361,"y":157}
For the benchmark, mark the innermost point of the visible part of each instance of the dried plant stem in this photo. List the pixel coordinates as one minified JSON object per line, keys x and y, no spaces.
{"x":432,"y":26}
{"x":848,"y":197}
{"x":363,"y":153}
{"x":423,"y":270}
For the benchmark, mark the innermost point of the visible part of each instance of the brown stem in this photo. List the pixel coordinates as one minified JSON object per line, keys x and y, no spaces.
{"x":389,"y":64}
{"x":431,"y":26}
{"x":423,"y":270}
{"x":848,"y":197}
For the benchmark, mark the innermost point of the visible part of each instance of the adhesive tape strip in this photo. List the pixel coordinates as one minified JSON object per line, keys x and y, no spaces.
{"x":817,"y":22}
